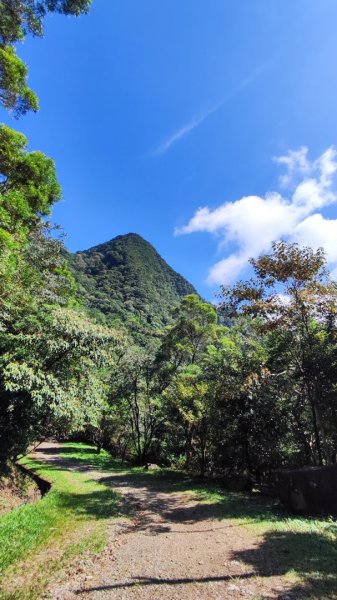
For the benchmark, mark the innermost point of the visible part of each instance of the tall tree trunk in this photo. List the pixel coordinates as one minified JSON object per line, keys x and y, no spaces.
{"x":315,"y":425}
{"x":203,"y":453}
{"x":320,"y":422}
{"x":189,"y":447}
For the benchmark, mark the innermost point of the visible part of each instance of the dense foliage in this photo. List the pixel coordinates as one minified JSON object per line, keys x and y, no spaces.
{"x":126,"y":281}
{"x":296,"y":302}
{"x":242,"y":399}
{"x":17,"y":19}
{"x":54,"y":361}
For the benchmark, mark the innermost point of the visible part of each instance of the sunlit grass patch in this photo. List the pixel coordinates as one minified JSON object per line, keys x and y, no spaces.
{"x":67,"y":521}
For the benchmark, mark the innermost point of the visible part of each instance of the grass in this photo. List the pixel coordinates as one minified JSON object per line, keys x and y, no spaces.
{"x":69,"y":520}
{"x":72,"y":519}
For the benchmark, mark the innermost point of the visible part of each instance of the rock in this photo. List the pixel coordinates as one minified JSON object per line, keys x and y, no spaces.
{"x":233,"y":588}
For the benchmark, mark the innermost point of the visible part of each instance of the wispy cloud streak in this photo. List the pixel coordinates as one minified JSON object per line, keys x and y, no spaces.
{"x":180,"y":133}
{"x":199,"y":119}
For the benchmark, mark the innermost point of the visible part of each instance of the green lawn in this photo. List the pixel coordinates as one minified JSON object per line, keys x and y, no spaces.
{"x":70,"y":519}
{"x":39,"y":539}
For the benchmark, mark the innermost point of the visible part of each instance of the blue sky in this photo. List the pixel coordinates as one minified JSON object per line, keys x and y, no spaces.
{"x":155,"y":109}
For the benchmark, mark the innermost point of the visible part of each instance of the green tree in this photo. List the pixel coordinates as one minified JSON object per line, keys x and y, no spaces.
{"x":54,"y":369}
{"x":28,"y":190}
{"x":136,"y":403}
{"x":53,"y":360}
{"x":17,"y":19}
{"x":295,"y":299}
{"x":28,"y":185}
{"x":246,"y":418}
{"x":186,"y":390}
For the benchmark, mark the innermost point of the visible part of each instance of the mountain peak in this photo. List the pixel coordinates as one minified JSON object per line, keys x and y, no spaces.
{"x":126,"y":279}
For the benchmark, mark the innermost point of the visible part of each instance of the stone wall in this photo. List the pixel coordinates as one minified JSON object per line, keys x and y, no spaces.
{"x":311,"y":490}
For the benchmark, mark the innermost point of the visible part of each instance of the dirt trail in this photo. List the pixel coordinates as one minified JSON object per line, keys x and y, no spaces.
{"x":173,"y":549}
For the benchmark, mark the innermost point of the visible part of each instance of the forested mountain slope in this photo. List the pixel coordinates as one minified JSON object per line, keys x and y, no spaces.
{"x":126,"y":280}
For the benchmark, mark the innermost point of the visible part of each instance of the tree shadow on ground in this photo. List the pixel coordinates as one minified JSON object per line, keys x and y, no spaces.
{"x":310,"y":555}
{"x":100,"y":504}
{"x":150,"y":581}
{"x":163,"y":481}
{"x":252,"y":507}
{"x":82,"y":459}
{"x":157,"y":493}
{"x":64,"y":449}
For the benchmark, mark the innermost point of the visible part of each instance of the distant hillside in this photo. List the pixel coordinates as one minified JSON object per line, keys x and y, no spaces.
{"x":126,"y":280}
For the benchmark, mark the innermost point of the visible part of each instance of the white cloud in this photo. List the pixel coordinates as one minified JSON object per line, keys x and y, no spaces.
{"x":321,"y":232}
{"x":252,"y":223}
{"x":296,"y":162}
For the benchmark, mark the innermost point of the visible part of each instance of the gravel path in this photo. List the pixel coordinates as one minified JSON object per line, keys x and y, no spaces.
{"x":173,"y":549}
